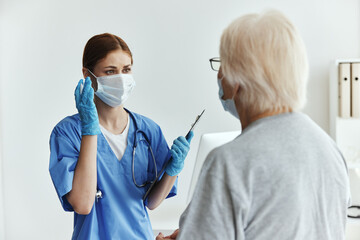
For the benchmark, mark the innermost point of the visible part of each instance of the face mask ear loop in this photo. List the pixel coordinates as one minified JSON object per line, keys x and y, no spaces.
{"x":94,"y":77}
{"x":92,"y":73}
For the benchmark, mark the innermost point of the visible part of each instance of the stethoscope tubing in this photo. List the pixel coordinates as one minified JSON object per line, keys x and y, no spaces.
{"x":133,"y":161}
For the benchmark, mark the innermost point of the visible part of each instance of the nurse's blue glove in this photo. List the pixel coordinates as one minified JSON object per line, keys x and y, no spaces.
{"x":179,"y":150}
{"x":86,"y":108}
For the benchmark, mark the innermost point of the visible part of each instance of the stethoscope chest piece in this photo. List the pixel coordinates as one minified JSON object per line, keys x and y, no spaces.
{"x":98,"y":195}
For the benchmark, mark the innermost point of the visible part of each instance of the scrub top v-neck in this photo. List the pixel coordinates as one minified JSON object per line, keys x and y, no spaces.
{"x":117,"y":142}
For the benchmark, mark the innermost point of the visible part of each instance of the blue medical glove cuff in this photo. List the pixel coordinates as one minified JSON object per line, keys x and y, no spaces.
{"x":92,"y":128}
{"x":172,"y":172}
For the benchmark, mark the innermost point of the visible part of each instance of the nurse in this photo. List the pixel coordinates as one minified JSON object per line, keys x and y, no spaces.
{"x":104,"y":159}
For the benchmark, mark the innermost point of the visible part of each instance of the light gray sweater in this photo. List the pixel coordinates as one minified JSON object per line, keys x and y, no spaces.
{"x":283,"y":178}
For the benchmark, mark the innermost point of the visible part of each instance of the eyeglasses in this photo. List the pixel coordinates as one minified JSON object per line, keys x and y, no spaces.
{"x":215,"y":63}
{"x":353,"y":211}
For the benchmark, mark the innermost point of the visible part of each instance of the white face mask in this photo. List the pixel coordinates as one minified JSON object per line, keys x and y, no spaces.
{"x":228,"y":104}
{"x":114,"y":90}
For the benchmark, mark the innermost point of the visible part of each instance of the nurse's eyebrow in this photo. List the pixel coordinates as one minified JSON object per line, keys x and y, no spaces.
{"x":111,"y":67}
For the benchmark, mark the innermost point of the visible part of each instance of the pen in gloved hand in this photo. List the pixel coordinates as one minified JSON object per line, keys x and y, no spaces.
{"x":181,"y":141}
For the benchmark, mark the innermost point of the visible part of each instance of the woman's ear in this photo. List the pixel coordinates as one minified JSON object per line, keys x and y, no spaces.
{"x":93,"y":80}
{"x":236,"y":89}
{"x":85,"y":73}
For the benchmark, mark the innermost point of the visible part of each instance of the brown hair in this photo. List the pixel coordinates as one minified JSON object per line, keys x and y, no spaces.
{"x":99,"y":46}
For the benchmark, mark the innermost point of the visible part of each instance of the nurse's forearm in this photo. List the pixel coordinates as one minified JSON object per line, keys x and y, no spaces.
{"x":82,"y":195}
{"x":160,"y":191}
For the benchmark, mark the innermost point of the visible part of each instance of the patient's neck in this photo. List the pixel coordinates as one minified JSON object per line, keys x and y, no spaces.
{"x":247,"y":118}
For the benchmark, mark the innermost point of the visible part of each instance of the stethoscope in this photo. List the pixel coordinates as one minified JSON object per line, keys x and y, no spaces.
{"x":152,"y":183}
{"x":133,"y":157}
{"x":135,"y":145}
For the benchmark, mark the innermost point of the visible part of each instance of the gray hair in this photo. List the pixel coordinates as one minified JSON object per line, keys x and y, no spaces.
{"x":265,"y":54}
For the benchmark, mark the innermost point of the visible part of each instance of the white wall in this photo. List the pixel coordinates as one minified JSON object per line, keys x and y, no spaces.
{"x":2,"y":226}
{"x":41,"y":51}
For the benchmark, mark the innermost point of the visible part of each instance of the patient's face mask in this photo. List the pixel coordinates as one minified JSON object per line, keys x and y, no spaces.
{"x":114,"y":90}
{"x":228,"y":104}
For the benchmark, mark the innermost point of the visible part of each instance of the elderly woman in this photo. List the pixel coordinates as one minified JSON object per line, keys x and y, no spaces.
{"x":283,"y":177}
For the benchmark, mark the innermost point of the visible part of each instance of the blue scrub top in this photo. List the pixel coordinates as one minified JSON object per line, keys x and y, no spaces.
{"x":120,"y":213}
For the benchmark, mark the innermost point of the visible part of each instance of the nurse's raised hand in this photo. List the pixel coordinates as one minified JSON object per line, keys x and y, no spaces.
{"x":179,"y":151}
{"x":86,"y":107}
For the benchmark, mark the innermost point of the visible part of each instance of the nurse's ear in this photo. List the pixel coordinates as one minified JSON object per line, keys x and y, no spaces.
{"x":86,"y":74}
